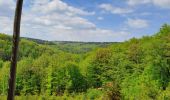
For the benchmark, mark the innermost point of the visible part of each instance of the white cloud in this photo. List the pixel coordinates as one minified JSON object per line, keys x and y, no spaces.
{"x":115,"y":10}
{"x":6,"y":24}
{"x":137,"y":2}
{"x":160,"y":3}
{"x":100,"y":18}
{"x":6,"y":7}
{"x":48,"y":6}
{"x":56,"y":20}
{"x":10,"y":4}
{"x":137,"y":23}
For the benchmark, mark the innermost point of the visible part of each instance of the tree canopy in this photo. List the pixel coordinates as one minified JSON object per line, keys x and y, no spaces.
{"x":137,"y":68}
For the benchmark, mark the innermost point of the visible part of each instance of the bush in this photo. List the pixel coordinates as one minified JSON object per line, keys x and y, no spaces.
{"x":164,"y":95}
{"x":94,"y":94}
{"x":112,"y":91}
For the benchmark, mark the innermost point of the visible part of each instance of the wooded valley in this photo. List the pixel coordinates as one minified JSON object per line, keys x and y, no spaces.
{"x":49,"y":70}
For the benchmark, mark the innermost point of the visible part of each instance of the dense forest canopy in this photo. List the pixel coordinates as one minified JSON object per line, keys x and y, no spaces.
{"x":137,"y":68}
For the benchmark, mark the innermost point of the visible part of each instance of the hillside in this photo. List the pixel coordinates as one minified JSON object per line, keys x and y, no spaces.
{"x":137,"y":68}
{"x":73,"y":46}
{"x":29,"y":45}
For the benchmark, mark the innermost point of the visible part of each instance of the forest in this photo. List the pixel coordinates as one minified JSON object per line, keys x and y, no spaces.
{"x":137,"y":69}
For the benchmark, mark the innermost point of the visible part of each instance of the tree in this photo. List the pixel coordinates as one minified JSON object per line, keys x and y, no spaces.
{"x":98,"y":66}
{"x":77,"y":82}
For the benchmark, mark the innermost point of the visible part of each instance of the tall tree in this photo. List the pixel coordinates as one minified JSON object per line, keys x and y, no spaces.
{"x":16,"y":36}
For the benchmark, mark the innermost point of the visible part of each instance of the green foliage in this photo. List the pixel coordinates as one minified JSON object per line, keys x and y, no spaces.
{"x":165,"y":30}
{"x":1,"y":63}
{"x":112,"y":91}
{"x":4,"y":73}
{"x":99,"y":64}
{"x":94,"y":94}
{"x":77,"y":82}
{"x":131,"y":70}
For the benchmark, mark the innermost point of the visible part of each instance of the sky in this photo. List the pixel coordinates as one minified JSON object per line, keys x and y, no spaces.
{"x":86,"y":20}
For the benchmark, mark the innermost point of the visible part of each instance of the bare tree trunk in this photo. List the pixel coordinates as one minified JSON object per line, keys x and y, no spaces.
{"x":16,"y":36}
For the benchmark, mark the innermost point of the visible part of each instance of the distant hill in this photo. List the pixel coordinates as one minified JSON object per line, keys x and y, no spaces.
{"x":74,"y":47}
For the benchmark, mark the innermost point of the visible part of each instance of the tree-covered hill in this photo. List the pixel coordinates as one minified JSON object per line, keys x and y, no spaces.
{"x":75,"y":47}
{"x":137,"y":69}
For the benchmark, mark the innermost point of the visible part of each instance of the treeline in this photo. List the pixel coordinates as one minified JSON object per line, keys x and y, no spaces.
{"x":132,"y":70}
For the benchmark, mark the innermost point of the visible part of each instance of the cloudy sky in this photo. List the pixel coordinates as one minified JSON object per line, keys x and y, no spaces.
{"x":86,"y":20}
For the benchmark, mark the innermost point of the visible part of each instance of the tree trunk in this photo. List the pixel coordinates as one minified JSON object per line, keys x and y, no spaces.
{"x":16,"y":36}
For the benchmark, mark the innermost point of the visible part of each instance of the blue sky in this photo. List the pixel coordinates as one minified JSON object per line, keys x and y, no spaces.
{"x":87,"y":20}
